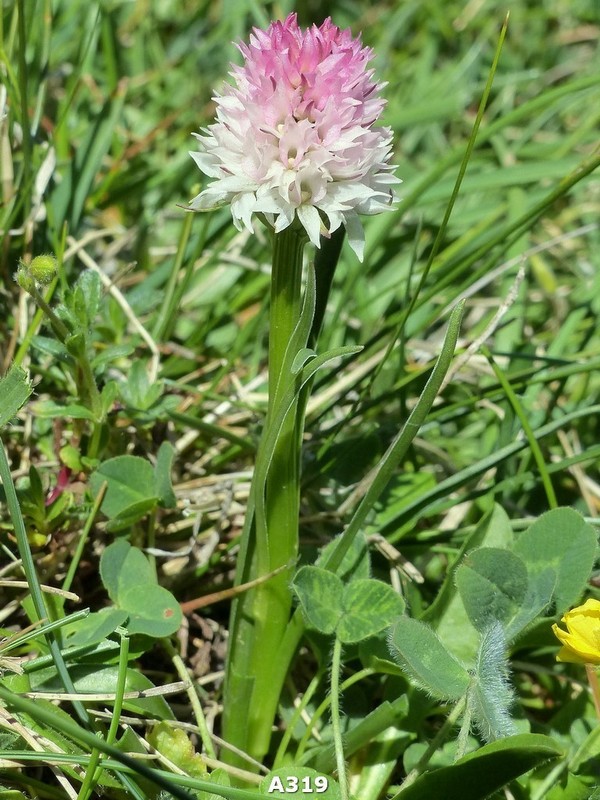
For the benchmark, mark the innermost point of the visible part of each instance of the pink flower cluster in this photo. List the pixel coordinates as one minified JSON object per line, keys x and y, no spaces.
{"x":295,"y":138}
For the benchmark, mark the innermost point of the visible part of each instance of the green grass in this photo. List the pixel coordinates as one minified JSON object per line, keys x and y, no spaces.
{"x":101,"y":99}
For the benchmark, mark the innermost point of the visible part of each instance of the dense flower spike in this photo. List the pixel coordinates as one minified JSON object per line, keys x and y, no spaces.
{"x":295,"y":138}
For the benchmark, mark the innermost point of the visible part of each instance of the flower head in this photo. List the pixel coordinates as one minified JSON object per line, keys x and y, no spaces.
{"x":581,"y":640}
{"x":295,"y":137}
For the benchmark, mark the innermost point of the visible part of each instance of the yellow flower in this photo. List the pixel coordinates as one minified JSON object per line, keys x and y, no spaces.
{"x":581,"y":640}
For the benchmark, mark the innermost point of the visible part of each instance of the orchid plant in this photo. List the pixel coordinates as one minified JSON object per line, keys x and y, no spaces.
{"x":296,"y":143}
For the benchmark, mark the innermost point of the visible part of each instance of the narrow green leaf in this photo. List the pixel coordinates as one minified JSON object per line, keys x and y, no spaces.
{"x":401,"y":443}
{"x":301,"y":358}
{"x":356,"y":563}
{"x":89,"y":155}
{"x":15,"y":388}
{"x":322,"y":757}
{"x":163,"y":485}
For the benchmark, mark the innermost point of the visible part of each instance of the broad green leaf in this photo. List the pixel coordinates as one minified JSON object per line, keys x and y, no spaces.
{"x":15,"y":388}
{"x":130,"y":481}
{"x":300,"y":783}
{"x":132,"y":514}
{"x":353,"y":612}
{"x":369,"y":606}
{"x":95,"y":627}
{"x":562,"y":540}
{"x":479,"y":774}
{"x":320,"y":594}
{"x":51,"y":347}
{"x":447,"y":614}
{"x":153,"y":610}
{"x":71,"y":456}
{"x":416,"y":647}
{"x":95,"y":679}
{"x":138,"y":392}
{"x":111,"y":354}
{"x":540,"y":589}
{"x":573,"y":787}
{"x":162,"y":476}
{"x":51,"y":410}
{"x":84,"y":301}
{"x":122,"y":566}
{"x":492,"y":584}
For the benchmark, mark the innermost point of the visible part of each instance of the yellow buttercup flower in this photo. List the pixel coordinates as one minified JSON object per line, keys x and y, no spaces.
{"x":581,"y":640}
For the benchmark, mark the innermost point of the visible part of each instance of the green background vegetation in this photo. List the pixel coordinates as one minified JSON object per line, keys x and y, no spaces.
{"x":101,"y":99}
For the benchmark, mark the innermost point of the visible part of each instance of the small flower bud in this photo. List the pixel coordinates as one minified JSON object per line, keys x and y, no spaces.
{"x":43,"y":269}
{"x":24,"y":279}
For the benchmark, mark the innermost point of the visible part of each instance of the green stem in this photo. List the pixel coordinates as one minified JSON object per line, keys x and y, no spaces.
{"x":261,"y":615}
{"x":94,"y":771}
{"x":192,"y":694}
{"x":388,"y":466}
{"x":336,"y":666}
{"x":34,"y":326}
{"x":286,"y":284}
{"x":435,"y":744}
{"x":295,"y":718}
{"x":91,"y":391}
{"x":58,"y":325}
{"x":592,"y":677}
{"x":325,"y":704}
{"x":85,"y":380}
